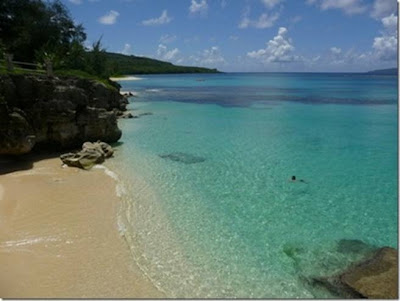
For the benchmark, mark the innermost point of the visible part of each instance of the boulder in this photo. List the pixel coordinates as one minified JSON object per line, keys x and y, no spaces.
{"x":352,"y":246}
{"x":374,"y":277}
{"x":127,"y":115}
{"x":91,"y":154}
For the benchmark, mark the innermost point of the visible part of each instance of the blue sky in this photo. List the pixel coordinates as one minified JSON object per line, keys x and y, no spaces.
{"x":247,"y":35}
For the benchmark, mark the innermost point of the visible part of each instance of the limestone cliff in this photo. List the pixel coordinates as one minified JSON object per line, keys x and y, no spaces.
{"x":37,"y":112}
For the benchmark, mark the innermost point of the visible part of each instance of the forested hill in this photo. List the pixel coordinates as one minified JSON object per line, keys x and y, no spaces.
{"x":130,"y":64}
{"x":391,"y":71}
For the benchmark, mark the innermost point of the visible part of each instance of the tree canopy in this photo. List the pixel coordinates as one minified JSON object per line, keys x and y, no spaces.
{"x":37,"y":30}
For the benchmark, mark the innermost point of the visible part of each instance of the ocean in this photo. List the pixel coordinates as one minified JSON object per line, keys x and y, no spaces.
{"x":209,"y":208}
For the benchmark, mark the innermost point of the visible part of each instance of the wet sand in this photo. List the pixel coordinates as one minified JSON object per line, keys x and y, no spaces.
{"x":59,"y":236}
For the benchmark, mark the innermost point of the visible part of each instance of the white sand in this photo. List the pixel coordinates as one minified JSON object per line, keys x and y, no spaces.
{"x":59,"y":236}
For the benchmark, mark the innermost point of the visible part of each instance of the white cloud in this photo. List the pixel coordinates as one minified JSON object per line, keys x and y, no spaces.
{"x":390,"y":23}
{"x":163,"y":19}
{"x":385,"y":46}
{"x":264,"y":21}
{"x":77,"y":2}
{"x":382,"y":8}
{"x":336,"y":50}
{"x":109,"y":18}
{"x":127,"y":49}
{"x":209,"y":57}
{"x":233,"y":38}
{"x":349,"y":7}
{"x":271,"y":3}
{"x":166,"y":39}
{"x":165,"y":54}
{"x":198,"y":7}
{"x":279,"y":49}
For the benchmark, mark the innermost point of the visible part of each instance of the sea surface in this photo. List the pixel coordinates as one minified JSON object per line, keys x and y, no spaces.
{"x":209,"y":208}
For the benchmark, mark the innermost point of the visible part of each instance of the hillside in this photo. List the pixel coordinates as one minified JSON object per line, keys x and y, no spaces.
{"x":391,"y":71}
{"x":129,"y":64}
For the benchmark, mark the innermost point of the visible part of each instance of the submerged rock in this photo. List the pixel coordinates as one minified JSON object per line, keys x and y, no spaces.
{"x":375,"y":277}
{"x":348,"y":246}
{"x":183,"y":158}
{"x":91,"y":154}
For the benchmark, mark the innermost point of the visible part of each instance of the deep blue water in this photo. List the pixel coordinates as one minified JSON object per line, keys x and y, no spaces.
{"x":209,"y":201}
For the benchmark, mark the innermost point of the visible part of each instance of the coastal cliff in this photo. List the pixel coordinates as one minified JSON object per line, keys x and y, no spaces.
{"x":38,"y":112}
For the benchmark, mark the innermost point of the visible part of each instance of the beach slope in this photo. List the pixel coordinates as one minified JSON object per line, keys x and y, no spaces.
{"x":59,"y":236}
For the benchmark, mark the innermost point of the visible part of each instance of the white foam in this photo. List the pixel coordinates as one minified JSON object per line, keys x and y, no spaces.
{"x":28,"y":241}
{"x":127,"y":93}
{"x":126,"y":78}
{"x":119,"y":188}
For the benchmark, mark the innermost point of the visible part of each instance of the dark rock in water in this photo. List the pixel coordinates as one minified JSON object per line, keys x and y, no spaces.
{"x":127,"y":115}
{"x":347,"y":246}
{"x":183,"y":158}
{"x":375,"y":277}
{"x":91,"y":154}
{"x":145,"y":114}
{"x":335,"y":287}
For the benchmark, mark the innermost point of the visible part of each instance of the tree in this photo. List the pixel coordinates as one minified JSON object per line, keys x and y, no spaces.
{"x":97,"y":59}
{"x":29,"y":26}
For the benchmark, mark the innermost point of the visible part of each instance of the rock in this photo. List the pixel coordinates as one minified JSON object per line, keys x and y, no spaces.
{"x":375,"y":277}
{"x":37,"y":112}
{"x":127,"y":115}
{"x":183,"y":158}
{"x":145,"y":114}
{"x":347,"y":246}
{"x":16,"y":134}
{"x":91,"y":154}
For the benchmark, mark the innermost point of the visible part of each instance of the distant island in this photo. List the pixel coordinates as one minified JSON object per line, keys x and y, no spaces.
{"x":390,"y":71}
{"x":121,"y":64}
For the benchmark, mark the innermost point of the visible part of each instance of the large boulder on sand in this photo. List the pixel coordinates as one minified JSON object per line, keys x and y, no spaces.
{"x":91,"y":154}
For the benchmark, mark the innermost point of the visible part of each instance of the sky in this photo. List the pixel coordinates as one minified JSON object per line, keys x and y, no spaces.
{"x":247,"y":35}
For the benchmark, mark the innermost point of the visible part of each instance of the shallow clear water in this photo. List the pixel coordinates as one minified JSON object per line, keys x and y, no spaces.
{"x":209,"y":199}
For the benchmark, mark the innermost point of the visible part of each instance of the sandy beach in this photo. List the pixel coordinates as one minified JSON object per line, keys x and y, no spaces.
{"x":59,"y":235}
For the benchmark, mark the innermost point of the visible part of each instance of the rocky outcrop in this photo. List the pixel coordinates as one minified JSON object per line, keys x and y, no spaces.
{"x":375,"y":277}
{"x":91,"y":154}
{"x":38,"y":112}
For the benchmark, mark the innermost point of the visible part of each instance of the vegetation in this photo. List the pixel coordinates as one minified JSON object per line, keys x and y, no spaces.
{"x":35,"y":31}
{"x":119,"y":64}
{"x":391,"y":71}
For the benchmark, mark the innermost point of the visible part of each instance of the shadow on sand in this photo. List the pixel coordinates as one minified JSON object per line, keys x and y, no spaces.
{"x":9,"y":164}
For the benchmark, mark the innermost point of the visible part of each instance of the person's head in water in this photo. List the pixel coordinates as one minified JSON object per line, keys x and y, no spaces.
{"x":293,"y":178}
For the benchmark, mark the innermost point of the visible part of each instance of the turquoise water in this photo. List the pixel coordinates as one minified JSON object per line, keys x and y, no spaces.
{"x":209,"y":202}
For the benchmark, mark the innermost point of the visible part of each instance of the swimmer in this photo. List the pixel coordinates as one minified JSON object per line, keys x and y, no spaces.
{"x":294,"y":180}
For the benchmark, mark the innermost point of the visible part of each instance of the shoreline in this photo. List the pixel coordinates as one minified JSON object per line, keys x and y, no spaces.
{"x":59,"y":236}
